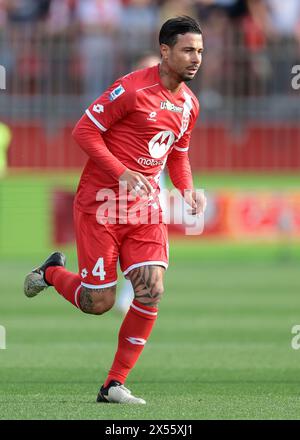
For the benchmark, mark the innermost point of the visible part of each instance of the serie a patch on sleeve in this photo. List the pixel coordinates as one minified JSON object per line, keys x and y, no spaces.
{"x":116,"y":93}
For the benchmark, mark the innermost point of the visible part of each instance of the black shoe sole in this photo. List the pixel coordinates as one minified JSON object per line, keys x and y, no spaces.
{"x":55,"y":259}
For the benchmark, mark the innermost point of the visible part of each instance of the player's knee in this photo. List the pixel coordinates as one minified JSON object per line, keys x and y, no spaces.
{"x":157,"y":291}
{"x":103,"y":305}
{"x":154,"y":295}
{"x":97,"y":301}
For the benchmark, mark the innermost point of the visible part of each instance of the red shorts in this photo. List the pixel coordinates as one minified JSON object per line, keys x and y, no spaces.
{"x":100,"y":246}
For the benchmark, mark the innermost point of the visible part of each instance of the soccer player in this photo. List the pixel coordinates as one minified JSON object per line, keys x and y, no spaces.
{"x":126,"y":295}
{"x":142,"y":122}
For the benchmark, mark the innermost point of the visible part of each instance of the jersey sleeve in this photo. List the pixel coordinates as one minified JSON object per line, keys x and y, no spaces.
{"x":180,"y":172}
{"x":113,"y":105}
{"x":178,"y":160}
{"x":87,"y":136}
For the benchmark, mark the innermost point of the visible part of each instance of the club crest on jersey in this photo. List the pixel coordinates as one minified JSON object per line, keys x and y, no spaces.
{"x":187,"y":107}
{"x":167,"y":105}
{"x":116,"y":93}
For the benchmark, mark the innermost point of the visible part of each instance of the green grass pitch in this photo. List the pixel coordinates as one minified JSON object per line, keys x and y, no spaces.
{"x":221,"y":348}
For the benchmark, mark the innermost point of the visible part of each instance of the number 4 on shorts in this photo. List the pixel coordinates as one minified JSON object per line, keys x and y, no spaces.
{"x":99,"y":269}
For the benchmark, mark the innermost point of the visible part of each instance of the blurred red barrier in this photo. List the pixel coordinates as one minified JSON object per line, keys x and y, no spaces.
{"x":260,"y":147}
{"x":31,"y":147}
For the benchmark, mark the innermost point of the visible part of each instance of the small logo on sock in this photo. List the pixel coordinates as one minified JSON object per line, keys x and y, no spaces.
{"x":136,"y":341}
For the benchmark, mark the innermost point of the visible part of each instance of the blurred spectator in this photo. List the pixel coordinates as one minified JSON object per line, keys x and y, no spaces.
{"x":57,"y":47}
{"x":139,"y":24}
{"x":279,"y":25}
{"x":99,"y":22}
{"x":3,"y":13}
{"x":221,"y":27}
{"x":171,"y":8}
{"x":24,"y":11}
{"x":22,"y":31}
{"x":58,"y":38}
{"x":60,"y":17}
{"x":147,"y":59}
{"x":276,"y":19}
{"x":6,"y":58}
{"x":232,"y":8}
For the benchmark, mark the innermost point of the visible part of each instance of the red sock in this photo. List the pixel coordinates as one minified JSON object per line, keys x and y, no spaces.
{"x":134,"y":332}
{"x":66,"y":283}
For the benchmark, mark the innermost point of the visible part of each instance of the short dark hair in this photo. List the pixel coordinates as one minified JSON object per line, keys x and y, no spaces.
{"x":178,"y":26}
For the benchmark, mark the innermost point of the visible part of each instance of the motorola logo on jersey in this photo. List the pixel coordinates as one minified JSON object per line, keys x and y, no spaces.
{"x":146,"y":162}
{"x":161,"y":143}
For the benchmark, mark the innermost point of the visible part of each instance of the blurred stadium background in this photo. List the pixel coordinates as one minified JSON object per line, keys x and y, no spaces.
{"x":61,"y":54}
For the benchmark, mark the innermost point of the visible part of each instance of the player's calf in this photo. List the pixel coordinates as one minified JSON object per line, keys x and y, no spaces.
{"x":97,"y":301}
{"x":136,"y":328}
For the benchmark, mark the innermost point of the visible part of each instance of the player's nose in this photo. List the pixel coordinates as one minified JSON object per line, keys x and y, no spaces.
{"x":196,"y":59}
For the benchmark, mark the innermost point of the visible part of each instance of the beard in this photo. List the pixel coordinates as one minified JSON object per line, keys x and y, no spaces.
{"x":186,"y":78}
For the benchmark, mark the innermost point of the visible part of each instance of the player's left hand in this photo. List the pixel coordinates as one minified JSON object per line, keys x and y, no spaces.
{"x":197,"y":201}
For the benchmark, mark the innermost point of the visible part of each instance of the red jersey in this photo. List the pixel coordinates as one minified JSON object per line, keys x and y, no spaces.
{"x":141,"y":123}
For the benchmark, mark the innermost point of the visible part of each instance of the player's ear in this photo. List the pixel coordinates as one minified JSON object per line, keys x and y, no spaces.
{"x":164,"y":50}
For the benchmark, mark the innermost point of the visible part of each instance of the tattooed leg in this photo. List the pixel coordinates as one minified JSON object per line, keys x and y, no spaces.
{"x":97,"y":301}
{"x":147,"y":283}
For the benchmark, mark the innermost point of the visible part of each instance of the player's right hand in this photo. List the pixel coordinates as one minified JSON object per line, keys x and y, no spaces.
{"x":196,"y":200}
{"x":136,"y":183}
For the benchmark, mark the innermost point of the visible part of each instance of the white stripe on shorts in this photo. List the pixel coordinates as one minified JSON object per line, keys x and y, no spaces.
{"x":76,"y":296}
{"x":145,"y":263}
{"x":101,"y":286}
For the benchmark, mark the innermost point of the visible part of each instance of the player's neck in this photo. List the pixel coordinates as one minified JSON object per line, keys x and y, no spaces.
{"x":171,"y":82}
